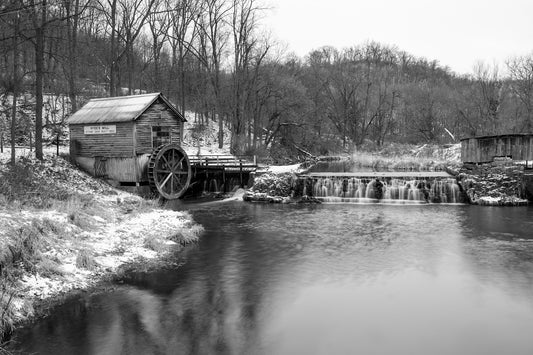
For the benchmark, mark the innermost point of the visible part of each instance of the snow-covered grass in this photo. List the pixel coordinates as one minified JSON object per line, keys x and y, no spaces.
{"x":425,"y":157}
{"x":61,"y":229}
{"x":281,"y":169}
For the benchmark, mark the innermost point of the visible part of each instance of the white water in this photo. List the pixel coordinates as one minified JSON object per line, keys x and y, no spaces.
{"x":394,"y":190}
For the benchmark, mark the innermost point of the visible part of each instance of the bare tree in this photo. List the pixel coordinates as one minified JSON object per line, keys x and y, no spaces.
{"x":213,"y":23}
{"x":72,"y":14}
{"x":15,"y":83}
{"x":247,"y":54}
{"x":159,"y":24}
{"x":134,"y":14}
{"x":184,"y":25}
{"x":490,"y":89}
{"x":521,"y":75}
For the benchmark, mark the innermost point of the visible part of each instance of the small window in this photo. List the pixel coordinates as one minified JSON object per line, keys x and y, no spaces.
{"x":160,"y":136}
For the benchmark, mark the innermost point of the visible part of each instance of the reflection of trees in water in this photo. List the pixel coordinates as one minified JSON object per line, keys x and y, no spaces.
{"x":215,"y":313}
{"x":211,"y":313}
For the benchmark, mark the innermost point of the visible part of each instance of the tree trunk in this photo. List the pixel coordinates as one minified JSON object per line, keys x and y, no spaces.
{"x":39,"y":74}
{"x":113,"y":64}
{"x":14,"y":113}
{"x":129,"y":60}
{"x":15,"y":90}
{"x":72,"y":30}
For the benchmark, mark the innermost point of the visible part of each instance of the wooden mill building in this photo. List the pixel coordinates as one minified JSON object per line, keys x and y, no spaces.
{"x":115,"y":137}
{"x":485,"y":148}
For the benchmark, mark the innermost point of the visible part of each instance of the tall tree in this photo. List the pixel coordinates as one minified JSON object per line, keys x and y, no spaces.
{"x":72,"y":15}
{"x":490,"y":95}
{"x":159,"y":24}
{"x":521,"y":75}
{"x":38,"y":14}
{"x":213,"y":26}
{"x":183,"y":32}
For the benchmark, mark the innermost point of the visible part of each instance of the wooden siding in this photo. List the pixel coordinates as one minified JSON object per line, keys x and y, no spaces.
{"x":485,"y":149}
{"x":142,"y":167}
{"x":119,"y":169}
{"x":159,"y":114}
{"x":122,"y":169}
{"x":119,"y":144}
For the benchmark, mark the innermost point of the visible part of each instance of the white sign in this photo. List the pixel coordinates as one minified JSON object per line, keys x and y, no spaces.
{"x":107,"y":129}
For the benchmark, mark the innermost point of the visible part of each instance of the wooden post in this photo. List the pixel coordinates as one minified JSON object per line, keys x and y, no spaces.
{"x":224,"y":179}
{"x":240,"y":172}
{"x":134,"y":155}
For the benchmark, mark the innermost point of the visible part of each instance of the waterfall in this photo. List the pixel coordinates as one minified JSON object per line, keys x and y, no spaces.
{"x":386,"y":190}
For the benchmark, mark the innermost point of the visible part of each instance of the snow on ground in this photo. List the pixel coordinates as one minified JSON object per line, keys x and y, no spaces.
{"x":280,"y":169}
{"x":206,"y":142}
{"x":107,"y":226}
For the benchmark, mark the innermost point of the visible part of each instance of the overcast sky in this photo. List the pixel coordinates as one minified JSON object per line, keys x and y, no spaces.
{"x":457,"y":33}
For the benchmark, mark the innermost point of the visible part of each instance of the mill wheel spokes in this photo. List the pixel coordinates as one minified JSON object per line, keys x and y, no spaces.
{"x":170,"y":171}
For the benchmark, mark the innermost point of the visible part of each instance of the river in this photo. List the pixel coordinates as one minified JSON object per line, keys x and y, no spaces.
{"x":319,"y":279}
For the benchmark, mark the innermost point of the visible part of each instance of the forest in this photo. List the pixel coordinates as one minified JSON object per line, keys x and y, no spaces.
{"x":217,"y":59}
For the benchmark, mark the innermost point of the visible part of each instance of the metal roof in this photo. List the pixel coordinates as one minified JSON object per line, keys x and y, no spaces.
{"x":498,"y":136}
{"x":118,"y":109}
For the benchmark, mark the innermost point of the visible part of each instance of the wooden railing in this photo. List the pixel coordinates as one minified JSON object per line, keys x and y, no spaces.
{"x":224,"y":161}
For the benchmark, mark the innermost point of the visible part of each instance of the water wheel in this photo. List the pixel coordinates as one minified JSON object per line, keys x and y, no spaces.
{"x":169,"y":171}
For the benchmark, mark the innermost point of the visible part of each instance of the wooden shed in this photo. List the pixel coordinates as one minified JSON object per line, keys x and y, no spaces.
{"x":134,"y":140}
{"x":484,"y":149}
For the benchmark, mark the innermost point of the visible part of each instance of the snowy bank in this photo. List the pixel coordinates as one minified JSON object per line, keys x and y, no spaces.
{"x":61,"y":230}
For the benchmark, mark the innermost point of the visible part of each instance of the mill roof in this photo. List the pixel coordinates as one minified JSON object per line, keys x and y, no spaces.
{"x":118,"y":109}
{"x":499,"y":136}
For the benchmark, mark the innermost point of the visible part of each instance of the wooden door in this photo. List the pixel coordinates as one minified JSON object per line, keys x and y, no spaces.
{"x":100,"y":167}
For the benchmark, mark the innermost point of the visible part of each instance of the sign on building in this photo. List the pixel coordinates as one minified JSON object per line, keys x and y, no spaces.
{"x":107,"y":129}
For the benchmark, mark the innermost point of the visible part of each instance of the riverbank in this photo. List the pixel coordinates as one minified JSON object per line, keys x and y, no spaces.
{"x":62,"y":230}
{"x":500,"y":183}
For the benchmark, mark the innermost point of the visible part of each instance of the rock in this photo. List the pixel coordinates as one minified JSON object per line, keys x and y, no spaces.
{"x":493,"y":184}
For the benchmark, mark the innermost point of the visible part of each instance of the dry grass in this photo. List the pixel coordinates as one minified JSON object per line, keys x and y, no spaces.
{"x":22,"y":246}
{"x":154,"y":243}
{"x":398,"y":162}
{"x":6,"y":309}
{"x":410,"y":158}
{"x":48,"y":268}
{"x":19,"y":183}
{"x":48,"y":215}
{"x":189,"y":234}
{"x":85,"y":260}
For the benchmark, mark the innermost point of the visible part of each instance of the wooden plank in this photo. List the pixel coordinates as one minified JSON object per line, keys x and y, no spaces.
{"x":142,"y":163}
{"x":159,"y":114}
{"x":105,"y":145}
{"x":122,"y":169}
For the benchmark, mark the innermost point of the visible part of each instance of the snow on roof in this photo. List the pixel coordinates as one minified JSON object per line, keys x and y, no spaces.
{"x":117,"y":109}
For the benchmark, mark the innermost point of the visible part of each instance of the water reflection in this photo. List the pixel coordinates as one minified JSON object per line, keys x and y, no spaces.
{"x":280,"y":279}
